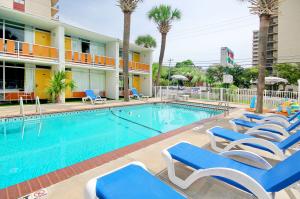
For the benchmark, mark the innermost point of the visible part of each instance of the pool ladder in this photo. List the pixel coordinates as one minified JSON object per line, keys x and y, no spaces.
{"x":31,"y":119}
{"x":223,"y":105}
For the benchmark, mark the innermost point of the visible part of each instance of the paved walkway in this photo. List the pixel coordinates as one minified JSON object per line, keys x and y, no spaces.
{"x":14,"y":111}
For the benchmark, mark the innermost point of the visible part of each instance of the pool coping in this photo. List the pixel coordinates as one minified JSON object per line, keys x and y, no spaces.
{"x":44,"y":181}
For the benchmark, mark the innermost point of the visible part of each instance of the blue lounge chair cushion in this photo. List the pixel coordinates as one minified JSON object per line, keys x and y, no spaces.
{"x":234,"y":136}
{"x":254,"y":116}
{"x":249,"y":124}
{"x":290,"y":141}
{"x":293,"y":126}
{"x":283,"y":174}
{"x":199,"y":158}
{"x":296,"y":115}
{"x":260,"y":117}
{"x":135,"y":92}
{"x":275,"y":179}
{"x":91,"y":94}
{"x":253,"y":102}
{"x":133,"y":182}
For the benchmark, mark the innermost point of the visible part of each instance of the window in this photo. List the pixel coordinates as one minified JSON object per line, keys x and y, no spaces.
{"x":85,"y":47}
{"x":120,"y":52}
{"x":121,"y":82}
{"x":14,"y":76}
{"x":14,"y":31}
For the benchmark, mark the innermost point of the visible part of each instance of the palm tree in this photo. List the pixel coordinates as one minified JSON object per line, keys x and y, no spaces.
{"x":265,"y":9}
{"x":127,"y":7}
{"x":163,"y":16}
{"x":58,"y":84}
{"x":146,"y":41}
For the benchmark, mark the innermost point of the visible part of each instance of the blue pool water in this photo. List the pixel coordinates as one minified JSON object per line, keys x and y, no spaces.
{"x":69,"y":138}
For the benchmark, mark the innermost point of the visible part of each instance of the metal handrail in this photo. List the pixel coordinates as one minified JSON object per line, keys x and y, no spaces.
{"x":38,"y":108}
{"x":22,"y":107}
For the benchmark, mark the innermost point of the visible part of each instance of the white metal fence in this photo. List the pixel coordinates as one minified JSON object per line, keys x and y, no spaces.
{"x":239,"y":96}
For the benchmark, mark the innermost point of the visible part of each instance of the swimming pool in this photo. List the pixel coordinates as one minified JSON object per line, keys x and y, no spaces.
{"x":69,"y":138}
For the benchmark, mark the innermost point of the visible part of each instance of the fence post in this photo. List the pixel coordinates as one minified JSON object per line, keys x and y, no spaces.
{"x":238,"y":95}
{"x":207,"y":95}
{"x":155,"y":94}
{"x":160,"y":93}
{"x":167,"y":92}
{"x":221,"y":94}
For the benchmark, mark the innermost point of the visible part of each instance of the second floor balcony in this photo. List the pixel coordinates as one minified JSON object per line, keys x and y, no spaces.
{"x":25,"y":50}
{"x":136,"y":66}
{"x":89,"y":59}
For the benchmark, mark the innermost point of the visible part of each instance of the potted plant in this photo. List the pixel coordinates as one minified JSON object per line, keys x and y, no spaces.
{"x":58,"y":85}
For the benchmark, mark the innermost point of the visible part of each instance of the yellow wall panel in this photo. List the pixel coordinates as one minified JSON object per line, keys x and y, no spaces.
{"x":68,"y":43}
{"x":136,"y":57}
{"x":42,"y":38}
{"x":69,"y":93}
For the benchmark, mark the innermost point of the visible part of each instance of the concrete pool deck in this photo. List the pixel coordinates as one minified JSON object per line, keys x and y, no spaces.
{"x":150,"y":155}
{"x":152,"y":158}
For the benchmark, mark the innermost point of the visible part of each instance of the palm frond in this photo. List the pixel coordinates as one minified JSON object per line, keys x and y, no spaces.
{"x":58,"y":84}
{"x":163,"y":16}
{"x":128,"y":5}
{"x":264,"y":7}
{"x":146,"y":41}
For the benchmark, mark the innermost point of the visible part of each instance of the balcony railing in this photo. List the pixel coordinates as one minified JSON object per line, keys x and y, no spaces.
{"x":27,"y":50}
{"x":136,"y":66}
{"x":89,"y":59}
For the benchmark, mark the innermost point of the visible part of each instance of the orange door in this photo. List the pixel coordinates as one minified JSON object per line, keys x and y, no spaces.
{"x":136,"y":83}
{"x":42,"y":80}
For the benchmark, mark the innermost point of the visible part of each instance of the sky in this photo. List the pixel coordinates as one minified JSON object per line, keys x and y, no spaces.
{"x":205,"y":27}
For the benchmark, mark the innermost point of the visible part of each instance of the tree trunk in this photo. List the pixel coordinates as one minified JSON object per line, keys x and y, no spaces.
{"x":262,"y":53}
{"x":161,"y":56}
{"x":126,"y":37}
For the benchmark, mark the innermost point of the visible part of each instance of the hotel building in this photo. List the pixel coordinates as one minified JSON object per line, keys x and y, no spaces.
{"x":34,"y":44}
{"x":283,"y":37}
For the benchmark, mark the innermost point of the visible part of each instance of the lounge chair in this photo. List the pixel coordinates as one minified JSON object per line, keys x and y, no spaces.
{"x":269,"y":126}
{"x":136,"y":94}
{"x":277,"y":147}
{"x":132,"y":181}
{"x":262,"y":182}
{"x":90,"y":95}
{"x":273,"y":117}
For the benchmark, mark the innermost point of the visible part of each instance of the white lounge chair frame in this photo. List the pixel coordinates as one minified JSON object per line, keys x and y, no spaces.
{"x":257,"y":141}
{"x":277,"y":119}
{"x":90,"y":188}
{"x":231,"y":174}
{"x":98,"y":99}
{"x":266,"y":125}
